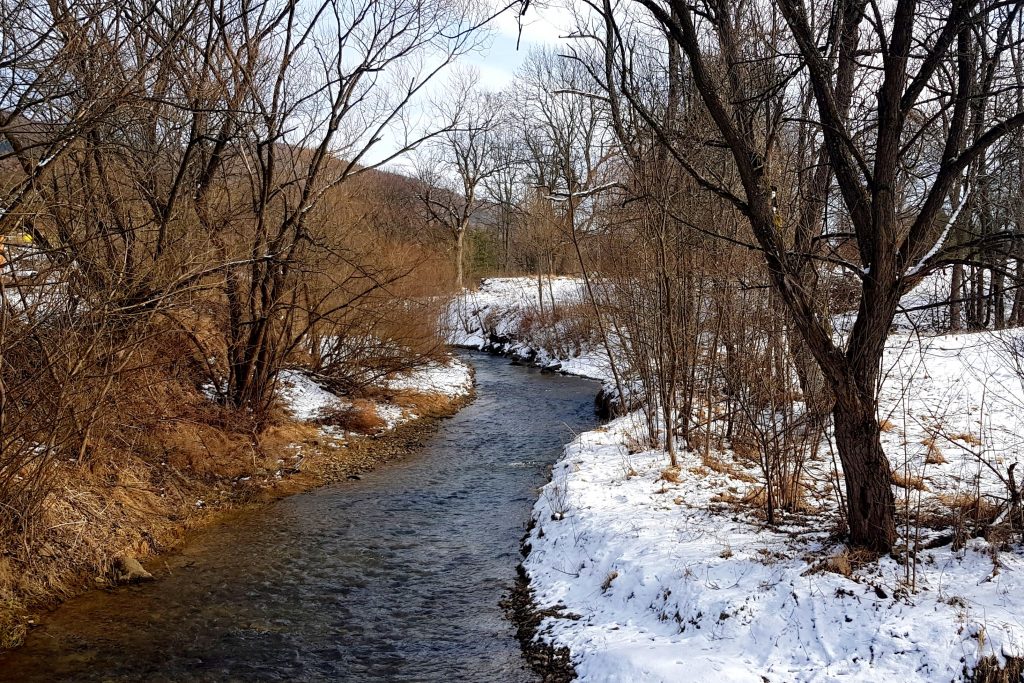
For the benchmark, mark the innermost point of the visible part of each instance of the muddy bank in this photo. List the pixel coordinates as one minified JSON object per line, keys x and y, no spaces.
{"x":109,"y":528}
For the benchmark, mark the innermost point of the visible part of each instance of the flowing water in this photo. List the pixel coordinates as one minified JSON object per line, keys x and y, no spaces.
{"x":395,"y":577}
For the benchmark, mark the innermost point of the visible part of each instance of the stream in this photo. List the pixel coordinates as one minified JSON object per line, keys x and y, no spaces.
{"x":394,"y":577}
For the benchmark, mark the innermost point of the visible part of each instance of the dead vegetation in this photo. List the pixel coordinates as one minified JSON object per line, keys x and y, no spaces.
{"x":165,"y":253}
{"x":993,"y":669}
{"x":848,"y":560}
{"x":933,"y":456}
{"x":908,"y":481}
{"x":189,"y":460}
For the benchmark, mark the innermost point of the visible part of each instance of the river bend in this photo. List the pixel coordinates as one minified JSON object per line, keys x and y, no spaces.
{"x":395,"y":577}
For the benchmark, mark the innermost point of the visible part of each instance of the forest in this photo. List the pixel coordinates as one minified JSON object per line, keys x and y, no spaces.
{"x":754,"y":221}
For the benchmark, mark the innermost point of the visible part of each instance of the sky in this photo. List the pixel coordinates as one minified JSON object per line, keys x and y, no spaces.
{"x":497,"y":61}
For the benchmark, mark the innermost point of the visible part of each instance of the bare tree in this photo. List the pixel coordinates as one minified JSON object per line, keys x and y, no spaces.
{"x":872,"y":77}
{"x":457,"y":164}
{"x":334,"y":82}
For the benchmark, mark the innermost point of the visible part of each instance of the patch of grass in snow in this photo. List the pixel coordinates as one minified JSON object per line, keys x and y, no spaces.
{"x":933,"y":456}
{"x":908,"y":481}
{"x":670,"y":474}
{"x":727,"y":468}
{"x":994,"y":669}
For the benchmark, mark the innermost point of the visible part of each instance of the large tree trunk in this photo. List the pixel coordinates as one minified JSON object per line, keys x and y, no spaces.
{"x":1017,"y":314}
{"x":870,"y":505}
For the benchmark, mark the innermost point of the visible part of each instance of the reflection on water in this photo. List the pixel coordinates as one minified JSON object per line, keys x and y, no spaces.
{"x":395,"y":577}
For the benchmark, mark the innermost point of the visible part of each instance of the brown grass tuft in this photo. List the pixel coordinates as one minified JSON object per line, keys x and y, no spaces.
{"x":360,"y":417}
{"x":847,"y":561}
{"x":840,"y":564}
{"x":910,"y":481}
{"x":728,"y":469}
{"x":745,"y":451}
{"x":421,"y":404}
{"x":934,"y":454}
{"x":989,"y":671}
{"x":671,"y":475}
{"x":970,"y":506}
{"x":967,"y":438}
{"x":886,"y":425}
{"x":755,"y":497}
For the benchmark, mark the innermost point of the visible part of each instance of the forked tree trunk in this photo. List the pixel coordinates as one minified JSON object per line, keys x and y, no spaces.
{"x":870,"y":505}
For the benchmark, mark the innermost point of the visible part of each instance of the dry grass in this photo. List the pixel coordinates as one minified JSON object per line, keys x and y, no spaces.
{"x":840,"y":564}
{"x":671,"y":475}
{"x":967,"y":438}
{"x":607,"y":583}
{"x":847,"y":561}
{"x":934,"y":454}
{"x":360,"y":417}
{"x":745,"y":451}
{"x":716,"y":465}
{"x":978,"y":509}
{"x":908,"y":481}
{"x":138,"y":492}
{"x":422,"y":404}
{"x":988,"y":670}
{"x":755,"y":496}
{"x":13,"y":617}
{"x":886,"y":425}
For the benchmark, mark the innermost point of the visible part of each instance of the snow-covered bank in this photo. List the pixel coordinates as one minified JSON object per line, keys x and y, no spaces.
{"x":654,"y":574}
{"x":308,"y":401}
{"x":671,"y":576}
{"x":513,"y":317}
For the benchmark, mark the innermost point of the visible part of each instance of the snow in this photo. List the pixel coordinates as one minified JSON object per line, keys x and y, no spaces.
{"x":670,"y":583}
{"x":941,"y":241}
{"x":962,"y":391}
{"x":493,"y":317}
{"x":309,"y":401}
{"x":304,"y":398}
{"x":677,"y":579}
{"x":454,"y":379}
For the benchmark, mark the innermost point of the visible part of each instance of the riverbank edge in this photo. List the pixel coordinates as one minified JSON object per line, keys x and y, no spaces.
{"x":526,"y":356}
{"x":325,"y":467}
{"x":553,"y":664}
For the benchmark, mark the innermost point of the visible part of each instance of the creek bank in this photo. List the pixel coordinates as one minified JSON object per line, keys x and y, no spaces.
{"x":553,"y":664}
{"x":505,"y":317}
{"x":677,"y":577}
{"x":143,"y":512}
{"x":395,"y":576}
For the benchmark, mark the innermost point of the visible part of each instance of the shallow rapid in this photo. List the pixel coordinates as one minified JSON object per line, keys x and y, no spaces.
{"x":395,"y":577}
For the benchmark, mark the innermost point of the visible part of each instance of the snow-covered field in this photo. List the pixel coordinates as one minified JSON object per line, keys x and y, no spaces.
{"x":669,"y":577}
{"x":307,"y":400}
{"x":959,"y":399}
{"x":667,"y":581}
